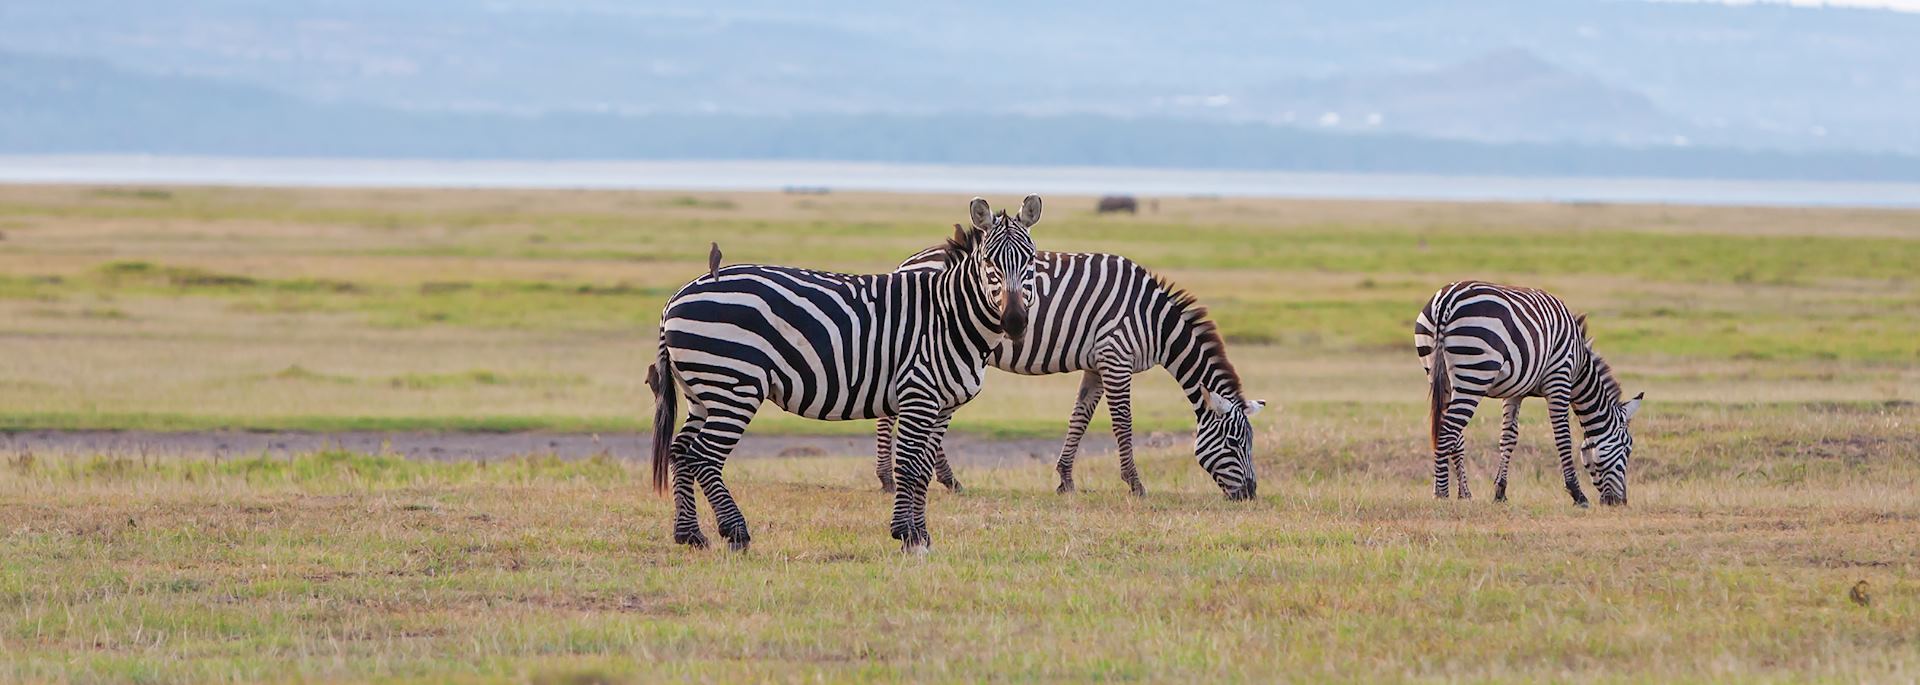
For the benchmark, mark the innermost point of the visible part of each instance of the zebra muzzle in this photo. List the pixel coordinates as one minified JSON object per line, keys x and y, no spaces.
{"x":1013,"y":313}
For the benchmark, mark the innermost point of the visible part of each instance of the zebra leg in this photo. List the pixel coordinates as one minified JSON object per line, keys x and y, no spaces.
{"x":728,"y":413}
{"x":1449,"y":447}
{"x":941,"y":469}
{"x":1558,"y":399}
{"x":686,"y":512}
{"x":1509,"y":438}
{"x":1117,"y":378}
{"x":883,"y":452}
{"x":1083,"y":405}
{"x":912,"y":471}
{"x":712,"y":454}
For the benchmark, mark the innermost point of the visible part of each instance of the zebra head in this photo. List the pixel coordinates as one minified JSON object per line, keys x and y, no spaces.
{"x":1003,"y":249}
{"x":1606,"y":454}
{"x":1223,"y":442}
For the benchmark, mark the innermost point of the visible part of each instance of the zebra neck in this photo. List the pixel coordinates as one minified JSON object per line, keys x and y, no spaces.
{"x":1196,"y":357}
{"x":969,"y":318}
{"x":1596,"y":395}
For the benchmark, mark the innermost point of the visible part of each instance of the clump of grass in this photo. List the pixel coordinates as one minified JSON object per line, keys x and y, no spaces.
{"x":176,"y":276}
{"x":480,"y":377}
{"x":439,"y":287}
{"x":134,"y":193}
{"x":296,"y":372}
{"x":104,"y":313}
{"x":319,"y":469}
{"x":699,"y":203}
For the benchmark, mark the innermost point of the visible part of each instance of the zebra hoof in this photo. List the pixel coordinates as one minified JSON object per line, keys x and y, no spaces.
{"x":693,"y":539}
{"x":1138,"y":491}
{"x":737,"y":537}
{"x":953,"y":485}
{"x":1583,"y":504}
{"x":1066,"y":488}
{"x":913,"y":539}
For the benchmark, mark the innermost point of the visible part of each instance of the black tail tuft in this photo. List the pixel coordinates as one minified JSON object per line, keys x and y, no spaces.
{"x":666,"y":400}
{"x":1440,"y":388}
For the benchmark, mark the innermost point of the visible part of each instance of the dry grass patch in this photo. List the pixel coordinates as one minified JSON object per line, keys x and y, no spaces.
{"x":336,"y":567}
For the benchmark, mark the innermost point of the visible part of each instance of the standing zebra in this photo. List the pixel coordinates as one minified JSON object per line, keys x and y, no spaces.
{"x":1111,"y":318}
{"x":1485,"y":340}
{"x":835,"y":347}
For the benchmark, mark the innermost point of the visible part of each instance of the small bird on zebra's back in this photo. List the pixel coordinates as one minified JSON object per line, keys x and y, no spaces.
{"x":1480,"y":339}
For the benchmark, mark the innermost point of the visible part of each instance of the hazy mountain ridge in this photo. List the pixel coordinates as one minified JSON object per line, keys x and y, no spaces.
{"x":87,"y":107}
{"x":1750,"y":76}
{"x":1577,"y":76}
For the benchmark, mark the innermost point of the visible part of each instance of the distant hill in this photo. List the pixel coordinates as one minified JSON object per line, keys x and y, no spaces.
{"x":64,"y":105}
{"x":1596,"y":72}
{"x":1508,"y":95}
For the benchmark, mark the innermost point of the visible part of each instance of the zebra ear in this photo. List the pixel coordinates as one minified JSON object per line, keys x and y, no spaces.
{"x":1218,"y":403}
{"x":1255,"y":406}
{"x":1632,"y":406}
{"x":1030,"y":211}
{"x":981,"y":213}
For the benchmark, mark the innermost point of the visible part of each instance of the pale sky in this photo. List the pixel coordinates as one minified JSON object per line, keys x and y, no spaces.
{"x":1902,"y":5}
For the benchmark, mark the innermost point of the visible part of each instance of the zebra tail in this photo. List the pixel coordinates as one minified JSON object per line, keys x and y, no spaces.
{"x":1440,"y":391}
{"x":666,"y":401}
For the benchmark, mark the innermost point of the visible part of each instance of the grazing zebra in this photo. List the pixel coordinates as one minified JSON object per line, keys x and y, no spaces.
{"x":835,"y":347}
{"x":1111,"y":318}
{"x":1485,"y":340}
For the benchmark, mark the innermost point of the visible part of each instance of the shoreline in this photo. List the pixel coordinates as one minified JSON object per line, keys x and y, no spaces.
{"x":815,"y":176}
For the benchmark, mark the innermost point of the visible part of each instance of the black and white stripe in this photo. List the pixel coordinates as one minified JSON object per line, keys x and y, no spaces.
{"x":835,"y":347}
{"x":1485,"y":340}
{"x":1110,"y":318}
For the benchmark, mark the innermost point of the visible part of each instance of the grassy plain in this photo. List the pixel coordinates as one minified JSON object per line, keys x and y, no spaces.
{"x":344,"y":567}
{"x":1780,"y":349}
{"x":255,"y":308}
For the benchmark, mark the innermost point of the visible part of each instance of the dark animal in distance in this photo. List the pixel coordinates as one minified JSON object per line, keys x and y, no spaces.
{"x":1118,"y":203}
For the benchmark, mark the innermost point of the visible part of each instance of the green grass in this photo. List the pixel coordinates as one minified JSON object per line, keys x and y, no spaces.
{"x":185,"y":308}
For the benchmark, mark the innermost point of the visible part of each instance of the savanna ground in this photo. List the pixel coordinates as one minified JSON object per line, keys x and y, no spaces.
{"x":1777,"y":461}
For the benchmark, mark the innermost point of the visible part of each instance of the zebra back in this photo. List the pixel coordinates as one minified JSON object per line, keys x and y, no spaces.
{"x":1085,"y":299}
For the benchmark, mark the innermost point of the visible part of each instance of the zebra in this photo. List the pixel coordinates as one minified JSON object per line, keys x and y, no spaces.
{"x":1481,"y":339}
{"x":1111,"y":318}
{"x":834,"y":347}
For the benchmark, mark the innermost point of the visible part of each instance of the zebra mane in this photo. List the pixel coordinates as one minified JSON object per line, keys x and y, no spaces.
{"x":1610,"y":388}
{"x":962,"y":242}
{"x":1206,"y":334}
